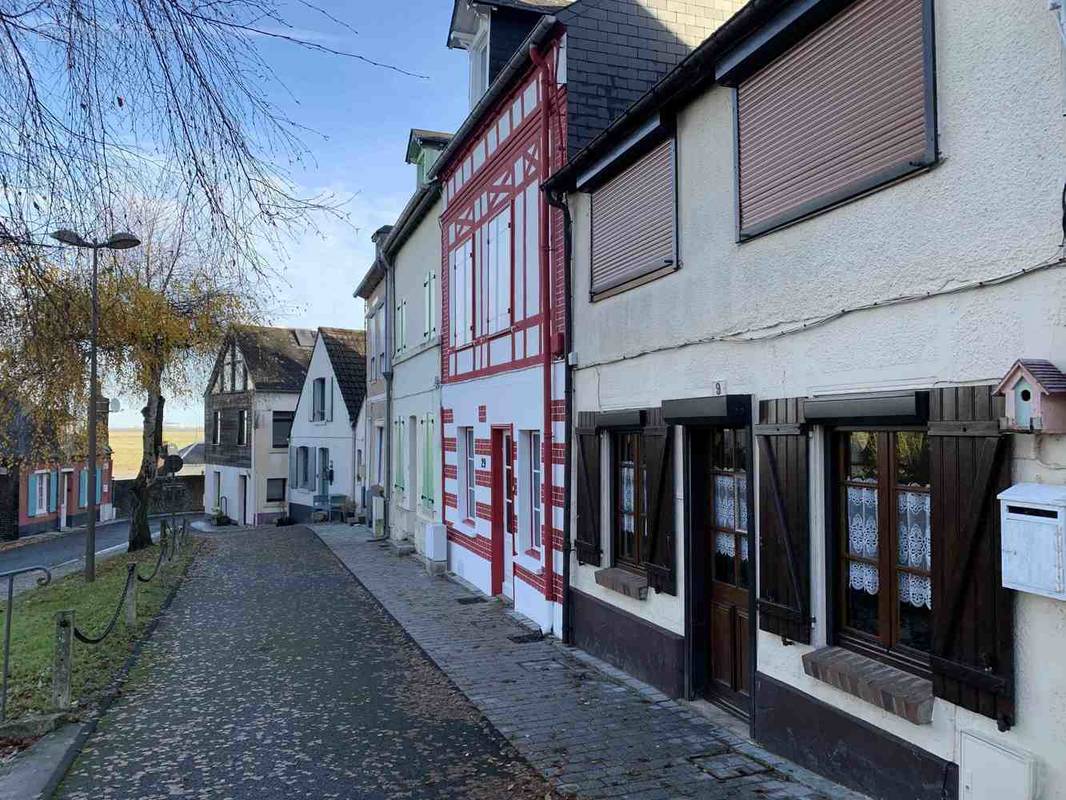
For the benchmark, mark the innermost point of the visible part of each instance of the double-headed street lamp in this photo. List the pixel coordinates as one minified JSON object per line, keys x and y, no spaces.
{"x":116,"y":241}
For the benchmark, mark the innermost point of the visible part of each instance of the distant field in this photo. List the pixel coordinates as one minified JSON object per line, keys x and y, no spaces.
{"x":126,"y":446}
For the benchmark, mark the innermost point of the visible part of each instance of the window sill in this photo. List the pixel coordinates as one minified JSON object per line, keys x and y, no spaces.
{"x":889,"y":688}
{"x":623,"y":581}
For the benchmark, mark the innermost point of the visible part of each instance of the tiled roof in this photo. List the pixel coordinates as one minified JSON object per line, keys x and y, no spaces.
{"x":1046,"y":374}
{"x":277,"y":358}
{"x":347,"y":353}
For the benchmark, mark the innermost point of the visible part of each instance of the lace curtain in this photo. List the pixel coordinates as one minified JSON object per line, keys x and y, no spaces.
{"x":862,"y":537}
{"x":914,"y":536}
{"x":731,"y":513}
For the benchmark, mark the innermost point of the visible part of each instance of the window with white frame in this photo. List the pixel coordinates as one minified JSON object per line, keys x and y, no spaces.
{"x":429,"y":289}
{"x":399,"y":455}
{"x":461,"y":296}
{"x":216,"y":428}
{"x":493,"y":302}
{"x":43,"y":480}
{"x":401,"y":326}
{"x":303,"y":469}
{"x":318,"y":400}
{"x":468,"y":480}
{"x":379,"y":433}
{"x":535,"y":489}
{"x":429,"y":426}
{"x":479,"y":65}
{"x":242,"y":426}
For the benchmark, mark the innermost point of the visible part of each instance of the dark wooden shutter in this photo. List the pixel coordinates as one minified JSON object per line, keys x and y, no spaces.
{"x":633,"y":221}
{"x":784,"y":521}
{"x":973,"y":615}
{"x":659,"y":561}
{"x":846,"y":109}
{"x":587,"y":539}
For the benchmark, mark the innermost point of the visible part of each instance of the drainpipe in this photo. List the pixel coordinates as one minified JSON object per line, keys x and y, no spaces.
{"x":558,"y":200}
{"x":545,"y":329}
{"x":390,"y":324}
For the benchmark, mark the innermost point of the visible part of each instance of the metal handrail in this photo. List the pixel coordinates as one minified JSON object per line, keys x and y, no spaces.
{"x":11,"y":575}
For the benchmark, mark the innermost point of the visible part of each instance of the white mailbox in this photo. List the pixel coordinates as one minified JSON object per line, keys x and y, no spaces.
{"x":1033,"y":521}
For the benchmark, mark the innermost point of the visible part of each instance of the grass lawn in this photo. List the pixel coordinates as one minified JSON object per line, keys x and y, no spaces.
{"x":95,"y":666}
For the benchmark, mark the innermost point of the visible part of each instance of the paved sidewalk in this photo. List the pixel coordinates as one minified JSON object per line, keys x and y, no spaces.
{"x":590,"y":728}
{"x":275,"y":675}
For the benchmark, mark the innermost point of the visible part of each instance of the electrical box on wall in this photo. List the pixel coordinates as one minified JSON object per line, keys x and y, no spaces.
{"x":1033,"y":521}
{"x":1035,"y":391}
{"x":990,"y":771}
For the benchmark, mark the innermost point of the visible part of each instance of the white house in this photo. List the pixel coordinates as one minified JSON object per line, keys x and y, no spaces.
{"x":802,"y":267}
{"x":323,"y":455}
{"x":248,"y":409}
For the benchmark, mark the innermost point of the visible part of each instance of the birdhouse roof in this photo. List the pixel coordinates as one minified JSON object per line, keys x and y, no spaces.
{"x":1045,"y":375}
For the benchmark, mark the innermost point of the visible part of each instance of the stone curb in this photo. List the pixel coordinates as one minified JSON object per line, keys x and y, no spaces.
{"x":47,"y":761}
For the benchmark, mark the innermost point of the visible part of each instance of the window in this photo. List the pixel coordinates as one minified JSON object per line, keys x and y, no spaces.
{"x":848,"y":108}
{"x":461,"y":297}
{"x":318,"y":400}
{"x":535,"y":489}
{"x":42,"y":487}
{"x":398,"y":454}
{"x":379,"y":477}
{"x":885,"y":540}
{"x":429,"y":487}
{"x":634,"y":223}
{"x":630,"y":525}
{"x":303,"y":467}
{"x":216,"y":427}
{"x":729,"y":507}
{"x":218,"y":490}
{"x":479,"y":65}
{"x":242,"y":427}
{"x":429,"y":288}
{"x":280,"y":428}
{"x":324,"y":471}
{"x":466,"y":465}
{"x":411,"y":454}
{"x":379,"y":338}
{"x":401,"y":326}
{"x":493,"y":295}
{"x":275,"y":490}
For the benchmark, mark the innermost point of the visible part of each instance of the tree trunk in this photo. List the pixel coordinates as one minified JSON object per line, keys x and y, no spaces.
{"x":141,"y":492}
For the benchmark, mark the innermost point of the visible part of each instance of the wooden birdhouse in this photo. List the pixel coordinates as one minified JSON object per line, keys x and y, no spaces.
{"x":1035,"y":391}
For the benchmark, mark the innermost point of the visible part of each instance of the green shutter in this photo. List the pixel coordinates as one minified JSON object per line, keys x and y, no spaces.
{"x":83,"y":488}
{"x":53,"y":490}
{"x":31,"y":495}
{"x":99,"y":484}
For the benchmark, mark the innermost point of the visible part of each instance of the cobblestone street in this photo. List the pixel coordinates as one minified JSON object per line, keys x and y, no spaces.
{"x":275,"y":675}
{"x":593,"y":730}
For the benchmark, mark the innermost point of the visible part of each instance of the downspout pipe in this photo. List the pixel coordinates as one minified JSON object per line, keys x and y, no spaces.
{"x":390,"y":323}
{"x":548,"y":542}
{"x":558,"y":200}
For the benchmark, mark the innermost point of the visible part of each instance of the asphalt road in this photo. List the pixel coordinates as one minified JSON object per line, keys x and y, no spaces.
{"x":54,"y":552}
{"x":275,"y":675}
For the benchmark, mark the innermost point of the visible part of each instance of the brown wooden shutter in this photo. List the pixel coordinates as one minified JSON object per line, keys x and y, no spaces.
{"x":633,"y":221}
{"x":587,"y":539}
{"x":659,"y":561}
{"x":973,"y":615}
{"x":784,"y":521}
{"x":846,"y":109}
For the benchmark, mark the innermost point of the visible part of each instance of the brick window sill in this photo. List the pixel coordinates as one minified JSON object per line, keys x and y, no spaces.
{"x":623,"y":581}
{"x":889,"y":688}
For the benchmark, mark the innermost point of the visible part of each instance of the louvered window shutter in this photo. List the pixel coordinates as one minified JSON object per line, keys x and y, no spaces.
{"x":659,"y":561}
{"x":973,"y":615}
{"x":633,"y":221}
{"x":784,"y":525}
{"x":83,"y":488}
{"x":31,"y":495}
{"x":587,"y":539}
{"x":846,"y":109}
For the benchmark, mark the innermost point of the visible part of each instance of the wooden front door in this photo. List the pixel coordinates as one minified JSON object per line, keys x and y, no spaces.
{"x":730,"y":571}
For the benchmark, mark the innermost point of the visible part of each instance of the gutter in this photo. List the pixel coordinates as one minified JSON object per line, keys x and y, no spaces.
{"x":519,"y":63}
{"x":413,"y":213}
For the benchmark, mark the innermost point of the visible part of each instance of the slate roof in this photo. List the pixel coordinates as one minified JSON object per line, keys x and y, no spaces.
{"x":1050,"y":377}
{"x":277,"y":358}
{"x":347,"y":353}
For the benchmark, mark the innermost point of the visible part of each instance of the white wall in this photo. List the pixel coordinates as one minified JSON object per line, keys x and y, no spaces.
{"x":268,"y":461}
{"x":991,"y":207}
{"x":416,"y":379}
{"x":335,"y":432}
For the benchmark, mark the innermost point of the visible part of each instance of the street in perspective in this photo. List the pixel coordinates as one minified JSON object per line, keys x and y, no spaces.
{"x":533,"y":399}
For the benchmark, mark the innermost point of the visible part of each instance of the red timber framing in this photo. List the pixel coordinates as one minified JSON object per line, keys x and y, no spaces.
{"x":502,"y":297}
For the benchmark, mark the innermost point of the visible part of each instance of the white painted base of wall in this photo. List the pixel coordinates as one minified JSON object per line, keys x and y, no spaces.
{"x":471,"y":568}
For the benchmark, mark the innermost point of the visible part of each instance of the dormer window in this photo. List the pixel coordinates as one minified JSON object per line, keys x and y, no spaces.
{"x":479,"y":65}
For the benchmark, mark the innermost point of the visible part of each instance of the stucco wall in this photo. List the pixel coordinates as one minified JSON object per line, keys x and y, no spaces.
{"x":336,"y":434}
{"x":991,"y":207}
{"x":268,"y":461}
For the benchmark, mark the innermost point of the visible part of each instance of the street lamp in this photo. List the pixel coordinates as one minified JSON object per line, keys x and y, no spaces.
{"x":116,"y":241}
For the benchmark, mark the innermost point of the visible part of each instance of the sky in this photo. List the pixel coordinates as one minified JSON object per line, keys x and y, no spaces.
{"x":360,"y":116}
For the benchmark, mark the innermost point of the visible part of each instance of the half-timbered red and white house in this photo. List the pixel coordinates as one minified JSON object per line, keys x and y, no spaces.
{"x":541,"y":84}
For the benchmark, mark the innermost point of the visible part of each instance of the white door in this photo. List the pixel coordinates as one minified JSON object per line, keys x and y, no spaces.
{"x":64,"y":492}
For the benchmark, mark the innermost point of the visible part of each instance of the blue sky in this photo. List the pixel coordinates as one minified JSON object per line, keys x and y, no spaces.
{"x":361,"y":116}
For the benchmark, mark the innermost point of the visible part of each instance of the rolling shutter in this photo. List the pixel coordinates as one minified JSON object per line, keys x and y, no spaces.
{"x":846,"y":109}
{"x":633,"y":221}
{"x":587,"y":539}
{"x":973,"y":615}
{"x":659,"y":561}
{"x":784,"y":522}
